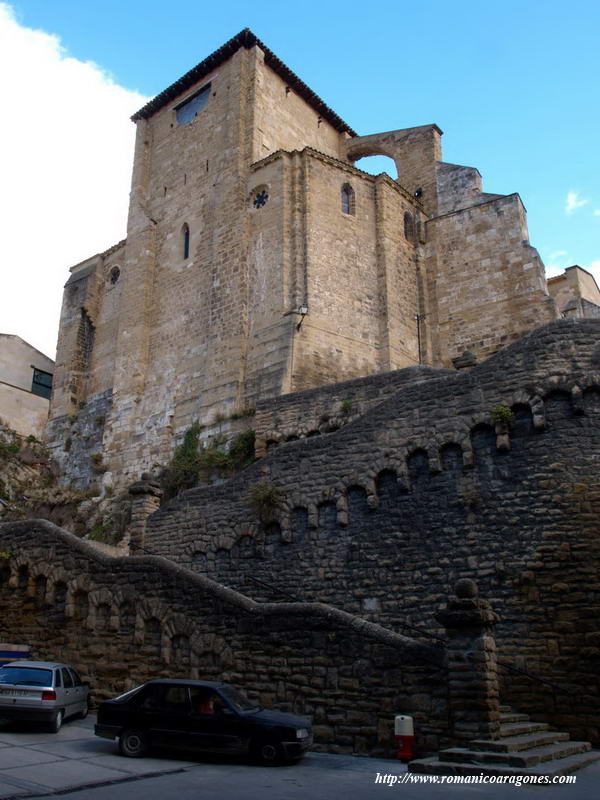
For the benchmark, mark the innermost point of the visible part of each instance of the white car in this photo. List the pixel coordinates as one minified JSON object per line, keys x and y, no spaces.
{"x":42,"y":691}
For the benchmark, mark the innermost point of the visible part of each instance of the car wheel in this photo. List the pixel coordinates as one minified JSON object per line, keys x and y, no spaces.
{"x":57,"y":722}
{"x":83,"y":714}
{"x":133,"y":743}
{"x":267,"y":752}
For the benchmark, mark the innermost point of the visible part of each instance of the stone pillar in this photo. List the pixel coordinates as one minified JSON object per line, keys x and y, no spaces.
{"x":146,"y":496}
{"x":471,"y":661}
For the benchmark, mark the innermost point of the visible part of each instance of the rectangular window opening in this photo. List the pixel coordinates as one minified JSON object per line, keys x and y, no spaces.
{"x":41,"y":383}
{"x":188,"y":110}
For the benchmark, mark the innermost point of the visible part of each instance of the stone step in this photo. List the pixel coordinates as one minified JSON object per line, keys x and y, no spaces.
{"x":549,"y":769}
{"x":515,"y":744}
{"x":513,"y":716}
{"x":525,"y":758}
{"x":505,"y":709}
{"x":522,"y":728}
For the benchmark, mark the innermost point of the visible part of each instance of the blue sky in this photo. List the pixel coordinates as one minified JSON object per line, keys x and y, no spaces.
{"x":514,"y":86}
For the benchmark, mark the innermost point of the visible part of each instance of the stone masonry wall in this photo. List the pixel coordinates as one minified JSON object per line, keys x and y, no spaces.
{"x":121,"y":621}
{"x":492,"y":294}
{"x":382,"y":516}
{"x":316,"y":411}
{"x":420,"y":270}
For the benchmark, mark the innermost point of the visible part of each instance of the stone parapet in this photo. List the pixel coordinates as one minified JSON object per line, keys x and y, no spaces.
{"x":472,"y":668}
{"x":146,"y":495}
{"x":122,"y":621}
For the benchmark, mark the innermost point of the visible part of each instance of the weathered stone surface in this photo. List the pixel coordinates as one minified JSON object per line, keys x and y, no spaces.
{"x":518,"y":522}
{"x":259,"y":261}
{"x":121,"y":621}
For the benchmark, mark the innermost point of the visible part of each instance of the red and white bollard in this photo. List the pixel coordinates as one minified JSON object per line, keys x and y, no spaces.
{"x":405,"y":736}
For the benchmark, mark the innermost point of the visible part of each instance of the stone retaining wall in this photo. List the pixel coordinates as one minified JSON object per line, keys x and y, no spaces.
{"x":121,"y":621}
{"x":383,"y":516}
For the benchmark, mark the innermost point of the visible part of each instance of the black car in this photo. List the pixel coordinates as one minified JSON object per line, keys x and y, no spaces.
{"x":201,"y":715}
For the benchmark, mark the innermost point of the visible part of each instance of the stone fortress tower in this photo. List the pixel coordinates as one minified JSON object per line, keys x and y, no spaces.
{"x":259,"y":261}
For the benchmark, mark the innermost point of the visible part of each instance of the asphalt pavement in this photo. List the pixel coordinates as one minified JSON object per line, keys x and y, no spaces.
{"x":77,"y":765}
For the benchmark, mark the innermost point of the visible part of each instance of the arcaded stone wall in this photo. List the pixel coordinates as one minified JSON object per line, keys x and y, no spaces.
{"x":299,"y":415}
{"x":121,"y":621}
{"x":382,"y":516}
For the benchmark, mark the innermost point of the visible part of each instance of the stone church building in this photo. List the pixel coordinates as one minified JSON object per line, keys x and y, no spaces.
{"x":259,"y":261}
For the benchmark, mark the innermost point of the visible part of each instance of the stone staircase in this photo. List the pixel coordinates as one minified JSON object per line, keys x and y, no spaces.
{"x":523,"y":748}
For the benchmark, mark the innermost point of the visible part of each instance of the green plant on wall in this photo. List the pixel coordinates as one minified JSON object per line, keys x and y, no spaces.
{"x":184,"y":468}
{"x":264,"y":498}
{"x":227,"y":456}
{"x":502,"y":415}
{"x":10,"y":449}
{"x":103,"y":532}
{"x":241,"y":450}
{"x":97,"y":464}
{"x":192,"y":461}
{"x":346,"y":406}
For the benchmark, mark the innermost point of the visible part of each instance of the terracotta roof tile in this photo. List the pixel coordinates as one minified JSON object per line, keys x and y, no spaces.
{"x":248,"y":40}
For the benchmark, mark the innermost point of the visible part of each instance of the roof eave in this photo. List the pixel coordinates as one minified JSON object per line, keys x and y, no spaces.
{"x":247,"y":39}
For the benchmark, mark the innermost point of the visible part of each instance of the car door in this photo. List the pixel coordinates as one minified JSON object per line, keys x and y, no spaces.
{"x":68,"y":692}
{"x":80,"y":691}
{"x":165,"y":712}
{"x":214,"y":726}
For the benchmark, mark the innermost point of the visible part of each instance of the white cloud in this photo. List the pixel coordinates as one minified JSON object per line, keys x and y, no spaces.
{"x":66,"y":152}
{"x":597,"y":212}
{"x":573,"y":202}
{"x":556,"y":261}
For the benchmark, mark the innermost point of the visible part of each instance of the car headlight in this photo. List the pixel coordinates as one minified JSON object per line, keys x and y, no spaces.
{"x":301,"y":733}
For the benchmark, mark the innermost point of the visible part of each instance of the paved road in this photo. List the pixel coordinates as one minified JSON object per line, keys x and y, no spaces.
{"x":38,"y":764}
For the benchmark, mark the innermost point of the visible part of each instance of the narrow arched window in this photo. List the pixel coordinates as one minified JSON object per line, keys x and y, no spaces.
{"x":347,"y":194}
{"x":185,"y":240}
{"x":409,"y":228}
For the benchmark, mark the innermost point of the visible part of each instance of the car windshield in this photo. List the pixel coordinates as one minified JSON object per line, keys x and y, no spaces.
{"x":239,"y":701}
{"x":26,"y":676}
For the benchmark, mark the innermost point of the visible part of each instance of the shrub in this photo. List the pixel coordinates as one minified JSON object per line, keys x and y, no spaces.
{"x":502,"y":415}
{"x":241,"y":450}
{"x":96,"y":461}
{"x":184,"y":468}
{"x":346,"y":406}
{"x":264,"y":498}
{"x":9,"y":449}
{"x":192,"y":462}
{"x":245,"y":412}
{"x":102,"y":533}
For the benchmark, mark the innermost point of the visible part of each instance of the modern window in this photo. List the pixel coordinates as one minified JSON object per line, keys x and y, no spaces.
{"x":41,"y":383}
{"x":347,"y":194}
{"x":188,"y":110}
{"x":185,"y":240}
